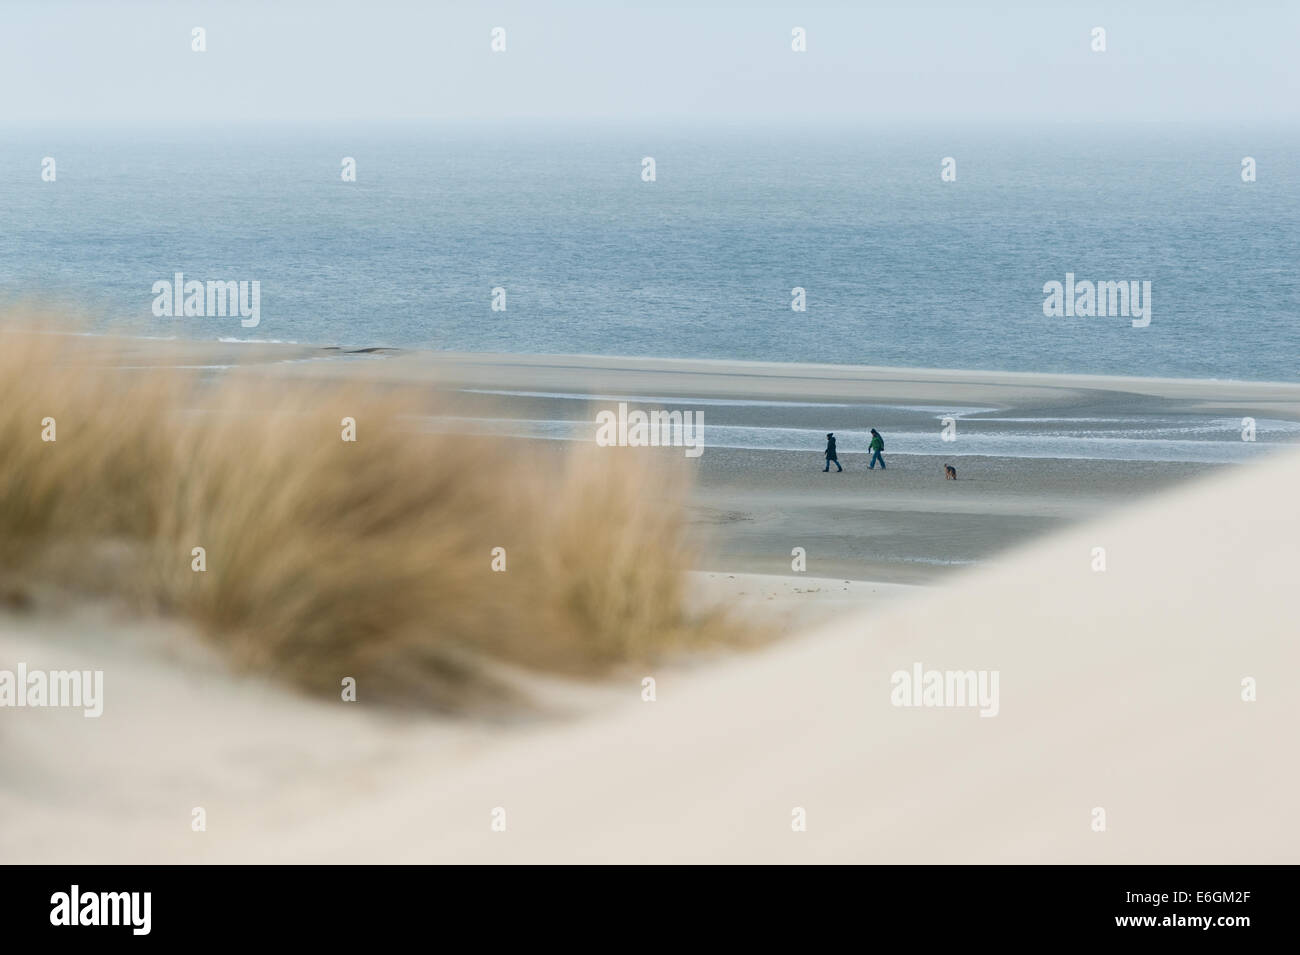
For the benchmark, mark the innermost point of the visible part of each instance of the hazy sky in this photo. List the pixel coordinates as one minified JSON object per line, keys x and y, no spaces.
{"x":67,"y":63}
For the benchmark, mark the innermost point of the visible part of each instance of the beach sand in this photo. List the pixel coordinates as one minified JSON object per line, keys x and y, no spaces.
{"x":751,"y":508}
{"x":1119,"y":690}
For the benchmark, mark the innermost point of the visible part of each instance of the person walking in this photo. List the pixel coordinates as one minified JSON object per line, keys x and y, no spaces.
{"x":830,"y":454}
{"x":877,"y":445}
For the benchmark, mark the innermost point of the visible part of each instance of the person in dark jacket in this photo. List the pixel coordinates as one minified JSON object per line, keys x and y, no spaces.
{"x":830,"y":454}
{"x":877,"y":445}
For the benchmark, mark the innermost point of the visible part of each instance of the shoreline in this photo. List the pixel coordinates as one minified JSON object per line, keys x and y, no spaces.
{"x":751,"y":507}
{"x":775,"y":370}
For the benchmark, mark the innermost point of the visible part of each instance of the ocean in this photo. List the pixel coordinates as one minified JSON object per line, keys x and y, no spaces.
{"x":898,"y":267}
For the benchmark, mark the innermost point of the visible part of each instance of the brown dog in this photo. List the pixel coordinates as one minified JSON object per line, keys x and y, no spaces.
{"x":949,"y":472}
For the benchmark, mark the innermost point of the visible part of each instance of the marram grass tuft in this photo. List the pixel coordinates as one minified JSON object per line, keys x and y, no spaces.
{"x":325,"y":558}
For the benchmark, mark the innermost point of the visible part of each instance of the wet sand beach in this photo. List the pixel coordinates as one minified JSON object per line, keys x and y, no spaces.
{"x":752,"y":505}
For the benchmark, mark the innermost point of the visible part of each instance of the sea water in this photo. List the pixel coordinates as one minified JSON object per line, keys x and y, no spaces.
{"x":897,"y":266}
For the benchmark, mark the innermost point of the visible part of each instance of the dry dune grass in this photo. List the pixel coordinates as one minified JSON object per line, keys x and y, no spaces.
{"x":325,"y":558}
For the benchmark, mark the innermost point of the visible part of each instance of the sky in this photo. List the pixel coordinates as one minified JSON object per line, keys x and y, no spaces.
{"x":125,"y":62}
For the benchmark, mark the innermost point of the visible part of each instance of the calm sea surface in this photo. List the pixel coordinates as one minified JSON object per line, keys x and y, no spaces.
{"x":899,"y":267}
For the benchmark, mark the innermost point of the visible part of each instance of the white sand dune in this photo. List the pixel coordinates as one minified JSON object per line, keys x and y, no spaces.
{"x":1119,"y":689}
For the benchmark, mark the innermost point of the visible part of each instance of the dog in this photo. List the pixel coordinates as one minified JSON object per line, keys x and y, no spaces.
{"x":949,"y":472}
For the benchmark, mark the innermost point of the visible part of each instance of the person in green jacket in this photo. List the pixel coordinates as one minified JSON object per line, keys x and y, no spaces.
{"x":877,"y":445}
